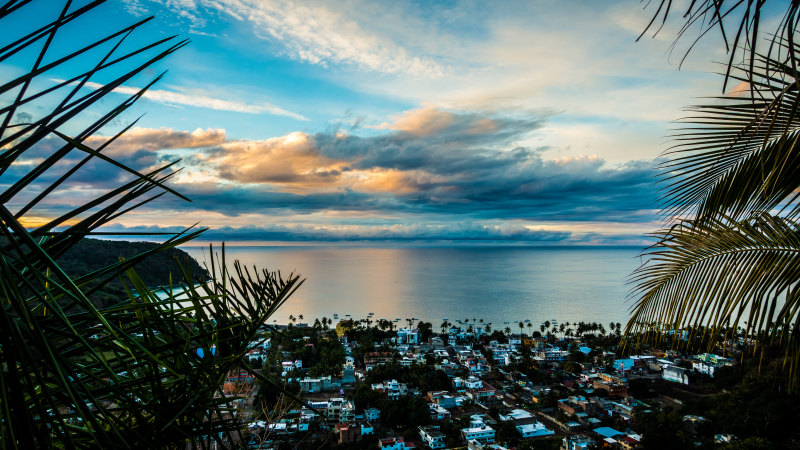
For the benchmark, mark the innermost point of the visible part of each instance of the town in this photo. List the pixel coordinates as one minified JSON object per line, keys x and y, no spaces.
{"x":373,"y":384}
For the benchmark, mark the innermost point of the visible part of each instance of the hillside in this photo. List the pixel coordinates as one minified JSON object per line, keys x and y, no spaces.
{"x":93,"y":254}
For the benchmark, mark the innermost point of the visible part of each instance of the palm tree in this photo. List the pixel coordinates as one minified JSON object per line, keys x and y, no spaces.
{"x":521,"y":327}
{"x":733,"y":257}
{"x":146,"y":372}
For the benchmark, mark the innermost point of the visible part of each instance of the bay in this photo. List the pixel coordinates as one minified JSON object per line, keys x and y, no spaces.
{"x":496,"y":284}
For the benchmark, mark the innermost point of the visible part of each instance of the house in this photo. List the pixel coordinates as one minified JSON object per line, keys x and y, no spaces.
{"x":395,"y":443}
{"x":408,"y":336}
{"x":478,"y":431}
{"x":372,"y":415}
{"x":676,"y":374}
{"x":438,"y":412}
{"x":432,"y":436}
{"x":531,"y":430}
{"x":391,"y":388}
{"x":319,"y":384}
{"x":577,"y":442}
{"x":341,"y":410}
{"x":516,"y":415}
{"x":348,"y":433}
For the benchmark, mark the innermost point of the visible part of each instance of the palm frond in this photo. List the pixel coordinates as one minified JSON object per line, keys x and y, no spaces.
{"x":719,"y":273}
{"x":740,"y":154}
{"x":147,"y":371}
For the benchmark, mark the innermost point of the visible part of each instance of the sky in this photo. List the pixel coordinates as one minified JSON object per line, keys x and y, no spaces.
{"x":410,"y":122}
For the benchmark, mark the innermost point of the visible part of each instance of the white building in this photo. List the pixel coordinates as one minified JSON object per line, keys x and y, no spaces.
{"x":473,"y":383}
{"x":478,"y":431}
{"x":340,"y":410}
{"x":408,"y":336}
{"x":676,"y":374}
{"x":483,"y":434}
{"x":432,"y":436}
{"x":531,"y":430}
{"x":517,"y":414}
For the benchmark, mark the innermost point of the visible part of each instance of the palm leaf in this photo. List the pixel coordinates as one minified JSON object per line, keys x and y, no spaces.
{"x":73,"y":375}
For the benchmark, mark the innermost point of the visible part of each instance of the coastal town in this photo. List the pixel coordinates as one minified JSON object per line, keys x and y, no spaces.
{"x":386,"y":384}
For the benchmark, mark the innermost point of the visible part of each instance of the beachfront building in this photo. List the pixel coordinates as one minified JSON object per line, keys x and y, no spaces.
{"x":432,"y":436}
{"x":408,"y":336}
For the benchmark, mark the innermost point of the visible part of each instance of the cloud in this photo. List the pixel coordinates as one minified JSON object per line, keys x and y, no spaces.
{"x":452,"y":232}
{"x":151,"y":139}
{"x":429,"y":166}
{"x":318,"y":34}
{"x":202,"y":101}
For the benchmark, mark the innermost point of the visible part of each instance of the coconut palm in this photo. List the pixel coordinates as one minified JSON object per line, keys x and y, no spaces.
{"x":732,"y":180}
{"x":146,"y":372}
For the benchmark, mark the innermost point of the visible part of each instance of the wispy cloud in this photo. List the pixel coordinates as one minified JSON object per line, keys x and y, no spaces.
{"x":319,"y":34}
{"x":203,"y":101}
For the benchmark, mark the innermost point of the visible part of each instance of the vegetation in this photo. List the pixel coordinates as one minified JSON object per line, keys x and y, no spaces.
{"x":733,"y":257}
{"x":160,"y":269}
{"x":142,"y":373}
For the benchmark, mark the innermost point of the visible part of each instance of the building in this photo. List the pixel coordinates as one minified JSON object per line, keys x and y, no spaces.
{"x":319,"y":384}
{"x":340,"y":410}
{"x":516,"y":415}
{"x":577,"y":442}
{"x":675,"y":374}
{"x":348,"y":433}
{"x":478,"y":431}
{"x":372,"y":415}
{"x":395,"y":443}
{"x":408,"y":336}
{"x":391,"y":388}
{"x":532,"y":430}
{"x":432,"y":436}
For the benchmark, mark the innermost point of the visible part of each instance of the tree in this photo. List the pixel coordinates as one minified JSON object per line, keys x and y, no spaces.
{"x":732,"y":178}
{"x":148,"y":370}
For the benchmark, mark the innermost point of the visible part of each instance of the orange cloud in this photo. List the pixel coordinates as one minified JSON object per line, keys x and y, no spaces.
{"x":421,"y":121}
{"x":153,"y":139}
{"x":293,"y":159}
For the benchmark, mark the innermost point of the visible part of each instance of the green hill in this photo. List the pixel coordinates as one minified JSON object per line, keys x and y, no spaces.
{"x":93,"y":254}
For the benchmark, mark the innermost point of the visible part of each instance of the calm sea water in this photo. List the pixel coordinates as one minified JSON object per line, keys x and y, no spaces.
{"x":497,"y":284}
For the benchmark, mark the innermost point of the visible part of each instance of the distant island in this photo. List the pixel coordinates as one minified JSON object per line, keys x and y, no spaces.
{"x":89,"y":255}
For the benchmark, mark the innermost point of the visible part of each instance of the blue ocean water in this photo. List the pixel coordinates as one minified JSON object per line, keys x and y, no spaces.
{"x":496,"y":284}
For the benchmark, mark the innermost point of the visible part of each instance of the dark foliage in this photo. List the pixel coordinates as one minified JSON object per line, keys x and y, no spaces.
{"x":160,"y":269}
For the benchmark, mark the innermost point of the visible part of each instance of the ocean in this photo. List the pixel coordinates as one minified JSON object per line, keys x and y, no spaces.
{"x":496,"y":284}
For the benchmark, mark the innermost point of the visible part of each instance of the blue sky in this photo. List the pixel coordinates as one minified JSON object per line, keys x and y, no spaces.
{"x":361,"y":121}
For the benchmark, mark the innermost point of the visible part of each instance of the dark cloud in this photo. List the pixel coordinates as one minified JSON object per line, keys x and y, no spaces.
{"x":466,"y":232}
{"x":462,"y":166}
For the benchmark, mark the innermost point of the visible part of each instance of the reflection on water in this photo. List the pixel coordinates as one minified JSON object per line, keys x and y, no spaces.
{"x":497,"y":284}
